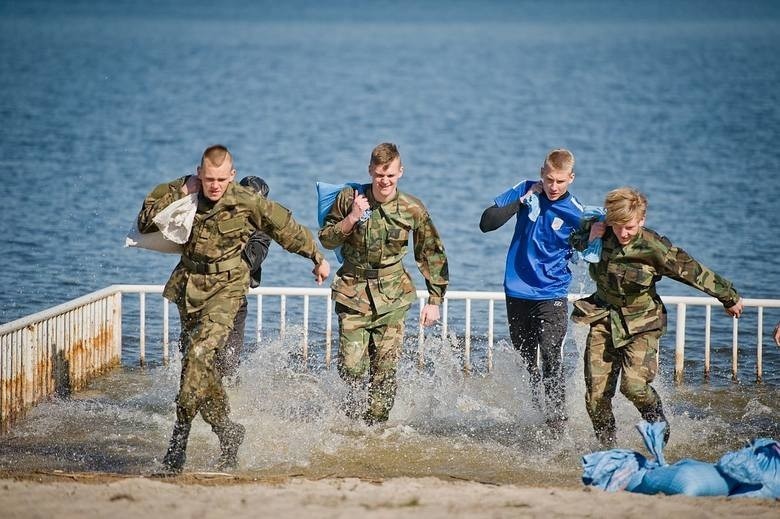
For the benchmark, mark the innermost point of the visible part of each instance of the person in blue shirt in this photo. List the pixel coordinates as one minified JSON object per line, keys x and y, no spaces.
{"x":537,"y":275}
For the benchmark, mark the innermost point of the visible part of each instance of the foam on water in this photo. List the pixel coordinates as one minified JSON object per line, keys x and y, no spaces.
{"x":445,"y":422}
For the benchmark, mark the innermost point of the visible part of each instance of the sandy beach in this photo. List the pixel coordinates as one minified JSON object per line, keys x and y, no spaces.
{"x":81,"y":495}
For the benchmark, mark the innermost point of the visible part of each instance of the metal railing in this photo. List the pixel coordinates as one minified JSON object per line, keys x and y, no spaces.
{"x":61,"y":349}
{"x":681,"y":303}
{"x":58,"y":351}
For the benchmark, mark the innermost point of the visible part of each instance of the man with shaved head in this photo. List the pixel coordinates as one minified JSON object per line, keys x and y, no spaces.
{"x":209,"y":284}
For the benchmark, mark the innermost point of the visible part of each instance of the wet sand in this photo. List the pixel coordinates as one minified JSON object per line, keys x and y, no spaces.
{"x":214,"y":495}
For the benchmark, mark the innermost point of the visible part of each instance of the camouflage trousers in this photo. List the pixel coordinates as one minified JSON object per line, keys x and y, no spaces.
{"x":203,"y":335}
{"x":637,"y":361}
{"x":373,"y":343}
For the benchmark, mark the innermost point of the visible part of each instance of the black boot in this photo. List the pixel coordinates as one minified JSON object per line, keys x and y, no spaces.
{"x":655,"y":413}
{"x":177,"y":449}
{"x":230,"y":439}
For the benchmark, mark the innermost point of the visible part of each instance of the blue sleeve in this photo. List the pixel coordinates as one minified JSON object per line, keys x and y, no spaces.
{"x":513,"y":194}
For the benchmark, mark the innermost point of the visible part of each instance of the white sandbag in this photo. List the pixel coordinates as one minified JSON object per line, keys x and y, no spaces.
{"x":174,"y":224}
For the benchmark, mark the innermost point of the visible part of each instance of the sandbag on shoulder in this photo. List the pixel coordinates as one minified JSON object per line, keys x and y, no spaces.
{"x":174,"y":224}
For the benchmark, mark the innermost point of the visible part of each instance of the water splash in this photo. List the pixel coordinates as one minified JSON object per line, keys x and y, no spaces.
{"x":445,"y":422}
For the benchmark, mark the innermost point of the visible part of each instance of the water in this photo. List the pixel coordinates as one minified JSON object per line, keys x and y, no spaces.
{"x":444,"y":423}
{"x":101,"y":101}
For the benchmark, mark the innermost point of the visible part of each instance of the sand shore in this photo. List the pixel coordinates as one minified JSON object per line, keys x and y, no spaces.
{"x":67,"y":496}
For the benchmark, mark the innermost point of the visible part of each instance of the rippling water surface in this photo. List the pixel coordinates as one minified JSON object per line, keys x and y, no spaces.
{"x":101,"y":101}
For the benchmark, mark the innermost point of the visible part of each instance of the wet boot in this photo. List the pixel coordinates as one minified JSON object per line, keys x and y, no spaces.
{"x":230,"y":439}
{"x":174,"y":459}
{"x":655,"y":413}
{"x":607,"y":437}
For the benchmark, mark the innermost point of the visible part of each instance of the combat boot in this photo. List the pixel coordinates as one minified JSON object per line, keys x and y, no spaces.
{"x":230,"y":439}
{"x":655,"y":413}
{"x":606,"y":437}
{"x":177,"y":449}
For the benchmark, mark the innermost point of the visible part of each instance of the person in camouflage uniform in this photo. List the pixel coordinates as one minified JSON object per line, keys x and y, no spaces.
{"x":255,"y":251}
{"x":372,"y":290}
{"x":209,"y":283}
{"x":626,"y":314}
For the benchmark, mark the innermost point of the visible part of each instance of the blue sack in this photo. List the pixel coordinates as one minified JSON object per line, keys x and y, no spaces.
{"x":688,"y":477}
{"x":751,"y":472}
{"x":621,"y":469}
{"x":756,"y":468}
{"x":326,"y":196}
{"x":592,"y":254}
{"x":514,"y":193}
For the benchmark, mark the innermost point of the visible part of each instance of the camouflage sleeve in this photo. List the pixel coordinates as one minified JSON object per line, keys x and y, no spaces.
{"x":680,"y":266}
{"x":431,"y":259}
{"x":277,"y":222}
{"x":579,"y":238}
{"x":331,"y":235}
{"x":161,"y":197}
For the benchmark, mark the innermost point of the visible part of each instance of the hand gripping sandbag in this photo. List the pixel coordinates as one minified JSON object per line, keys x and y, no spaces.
{"x":174,"y":224}
{"x":326,"y":196}
{"x":592,"y":254}
{"x":514,"y":193}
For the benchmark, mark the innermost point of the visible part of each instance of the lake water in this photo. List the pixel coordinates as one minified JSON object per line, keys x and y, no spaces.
{"x":103,"y":100}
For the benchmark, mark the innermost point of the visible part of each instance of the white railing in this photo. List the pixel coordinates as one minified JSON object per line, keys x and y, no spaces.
{"x":680,"y":302}
{"x":60,"y":349}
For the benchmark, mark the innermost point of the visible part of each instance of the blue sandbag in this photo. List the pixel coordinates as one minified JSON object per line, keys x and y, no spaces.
{"x":621,"y":469}
{"x":326,"y":197}
{"x":756,"y":468}
{"x":751,"y":472}
{"x":514,"y":193}
{"x":592,"y":254}
{"x":688,"y":477}
{"x":615,"y":469}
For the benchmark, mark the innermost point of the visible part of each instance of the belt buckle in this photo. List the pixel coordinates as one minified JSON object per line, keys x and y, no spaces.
{"x":371,"y":273}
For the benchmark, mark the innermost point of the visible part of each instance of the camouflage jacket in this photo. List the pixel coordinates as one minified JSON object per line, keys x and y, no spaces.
{"x":218,"y":236}
{"x":626,"y":277}
{"x":381,"y":243}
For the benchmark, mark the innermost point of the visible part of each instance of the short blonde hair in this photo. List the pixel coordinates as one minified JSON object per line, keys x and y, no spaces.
{"x":216,"y":155}
{"x":383,"y":154}
{"x":624,"y":204}
{"x":559,"y":159}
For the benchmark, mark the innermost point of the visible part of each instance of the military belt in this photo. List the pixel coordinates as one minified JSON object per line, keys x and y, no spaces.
{"x":369,"y":273}
{"x":620,"y":301}
{"x":197,"y":267}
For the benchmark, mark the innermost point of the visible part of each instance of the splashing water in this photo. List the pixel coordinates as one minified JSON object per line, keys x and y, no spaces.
{"x":445,"y":422}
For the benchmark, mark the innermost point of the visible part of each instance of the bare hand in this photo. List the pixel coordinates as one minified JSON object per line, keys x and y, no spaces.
{"x":192,"y":185}
{"x":777,"y":333}
{"x":535,"y":188}
{"x":429,"y":315}
{"x":736,"y":310}
{"x":597,"y":230}
{"x":321,"y":271}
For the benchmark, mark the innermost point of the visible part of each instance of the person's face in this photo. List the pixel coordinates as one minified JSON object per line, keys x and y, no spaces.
{"x":555,"y":182}
{"x":626,"y":232}
{"x":214,"y":180}
{"x":384,"y":179}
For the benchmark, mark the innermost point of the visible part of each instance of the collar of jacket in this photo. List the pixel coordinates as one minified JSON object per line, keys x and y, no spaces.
{"x":227,"y":202}
{"x":391,"y":206}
